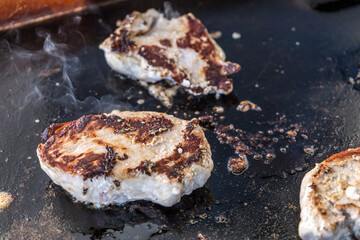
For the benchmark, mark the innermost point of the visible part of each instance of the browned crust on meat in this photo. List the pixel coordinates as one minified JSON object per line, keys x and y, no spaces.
{"x":198,"y":39}
{"x":215,"y":78}
{"x":338,"y":157}
{"x":120,"y":40}
{"x":89,"y":165}
{"x":324,"y":168}
{"x":193,"y":39}
{"x":190,"y":151}
{"x":154,"y":56}
{"x":165,"y":42}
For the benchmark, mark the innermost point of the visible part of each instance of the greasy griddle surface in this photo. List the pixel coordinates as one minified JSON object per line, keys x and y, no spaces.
{"x":295,"y":62}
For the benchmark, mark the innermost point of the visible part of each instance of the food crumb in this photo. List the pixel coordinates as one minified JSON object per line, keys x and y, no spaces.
{"x":351,"y":80}
{"x":247,"y":105}
{"x":192,"y":221}
{"x":140,"y":101}
{"x":291,"y":133}
{"x":293,"y":29}
{"x":37,"y":120}
{"x":236,"y":35}
{"x":218,"y":109}
{"x":283,"y":150}
{"x":221,"y":219}
{"x":200,"y":237}
{"x":238,"y":165}
{"x":309,"y":150}
{"x":5,"y":200}
{"x":216,"y":34}
{"x":203,"y":216}
{"x":297,"y":43}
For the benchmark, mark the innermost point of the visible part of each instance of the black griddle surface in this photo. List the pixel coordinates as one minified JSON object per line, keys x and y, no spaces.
{"x":295,"y":62}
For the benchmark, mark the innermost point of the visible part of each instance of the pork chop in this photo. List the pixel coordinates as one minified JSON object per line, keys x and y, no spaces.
{"x":126,"y":156}
{"x":330,"y":198}
{"x":149,"y":47}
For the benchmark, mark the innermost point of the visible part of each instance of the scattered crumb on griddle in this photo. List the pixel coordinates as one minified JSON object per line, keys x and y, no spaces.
{"x":200,"y":237}
{"x":310,"y":150}
{"x":221,"y":219}
{"x":261,"y":145}
{"x":247,"y":105}
{"x":236,"y":35}
{"x":46,"y":225}
{"x":351,"y":80}
{"x":162,"y":93}
{"x":192,"y":221}
{"x":238,"y":165}
{"x":218,"y":109}
{"x":37,"y":120}
{"x":216,"y":34}
{"x":140,"y":101}
{"x":203,"y":216}
{"x":5,"y":200}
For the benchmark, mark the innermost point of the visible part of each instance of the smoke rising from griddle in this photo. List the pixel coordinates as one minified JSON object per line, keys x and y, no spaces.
{"x":51,"y":76}
{"x":169,"y":11}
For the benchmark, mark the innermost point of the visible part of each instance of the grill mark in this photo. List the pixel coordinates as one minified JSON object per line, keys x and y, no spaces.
{"x":165,"y":42}
{"x":143,"y":130}
{"x":68,"y":159}
{"x":90,"y":165}
{"x":120,"y":39}
{"x":191,"y":125}
{"x":198,"y":39}
{"x":190,"y":153}
{"x":120,"y":42}
{"x":51,"y":130}
{"x":117,"y":183}
{"x":124,"y":157}
{"x":154,"y":56}
{"x":145,"y":167}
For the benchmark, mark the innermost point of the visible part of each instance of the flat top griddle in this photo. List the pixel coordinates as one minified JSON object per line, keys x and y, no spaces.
{"x":296,"y":63}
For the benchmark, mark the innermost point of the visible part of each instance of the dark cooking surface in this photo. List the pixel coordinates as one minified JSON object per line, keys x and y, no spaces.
{"x":306,"y":81}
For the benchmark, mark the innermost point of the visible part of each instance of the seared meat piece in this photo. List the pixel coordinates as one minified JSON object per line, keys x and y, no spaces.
{"x":330,"y":198}
{"x":126,"y":156}
{"x":149,"y":47}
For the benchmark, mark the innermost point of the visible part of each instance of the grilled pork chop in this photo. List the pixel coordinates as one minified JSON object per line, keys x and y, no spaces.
{"x":330,"y":198}
{"x":126,"y":156}
{"x":149,"y":47}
